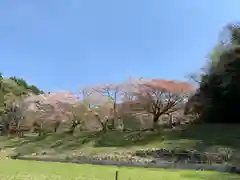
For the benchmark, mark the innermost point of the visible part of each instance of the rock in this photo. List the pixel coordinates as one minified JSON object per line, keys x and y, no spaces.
{"x":44,"y":153}
{"x":15,"y":156}
{"x":235,"y":170}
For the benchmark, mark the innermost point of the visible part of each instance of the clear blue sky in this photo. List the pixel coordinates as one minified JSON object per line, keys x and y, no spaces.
{"x":65,"y":44}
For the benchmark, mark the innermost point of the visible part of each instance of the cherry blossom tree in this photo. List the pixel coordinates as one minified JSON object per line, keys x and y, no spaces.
{"x":113,"y":95}
{"x":50,"y":109}
{"x":97,"y":106}
{"x":103,"y":101}
{"x":161,"y":97}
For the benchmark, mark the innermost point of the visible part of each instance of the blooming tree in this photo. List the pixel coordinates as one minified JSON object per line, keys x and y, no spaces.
{"x":50,"y":108}
{"x":159,"y":97}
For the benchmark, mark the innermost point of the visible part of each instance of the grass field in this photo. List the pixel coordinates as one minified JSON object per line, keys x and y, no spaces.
{"x":205,"y":138}
{"x":32,"y":170}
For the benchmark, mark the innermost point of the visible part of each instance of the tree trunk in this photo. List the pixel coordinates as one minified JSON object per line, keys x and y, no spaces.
{"x":40,"y":131}
{"x":114,"y":114}
{"x":155,"y":121}
{"x":74,"y":125}
{"x":104,"y":128}
{"x":6,"y":128}
{"x":170,"y":121}
{"x":103,"y":124}
{"x":56,"y":125}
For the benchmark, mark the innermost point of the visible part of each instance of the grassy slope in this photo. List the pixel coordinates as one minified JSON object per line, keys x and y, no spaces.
{"x":208,"y":138}
{"x":11,"y":169}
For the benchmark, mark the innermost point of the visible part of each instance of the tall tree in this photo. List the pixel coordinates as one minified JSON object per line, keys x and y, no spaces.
{"x":220,"y":87}
{"x":161,"y":97}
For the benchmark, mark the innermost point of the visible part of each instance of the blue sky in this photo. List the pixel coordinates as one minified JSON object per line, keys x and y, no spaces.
{"x":66,"y":44}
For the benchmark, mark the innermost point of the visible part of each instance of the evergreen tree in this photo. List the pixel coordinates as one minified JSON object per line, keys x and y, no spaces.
{"x":221,"y":85}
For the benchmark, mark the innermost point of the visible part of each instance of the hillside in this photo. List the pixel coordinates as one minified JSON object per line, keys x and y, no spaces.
{"x":13,"y":89}
{"x":218,"y":146}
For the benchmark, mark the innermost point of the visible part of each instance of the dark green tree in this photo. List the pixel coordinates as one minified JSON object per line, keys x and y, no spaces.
{"x":220,"y":86}
{"x":1,"y":95}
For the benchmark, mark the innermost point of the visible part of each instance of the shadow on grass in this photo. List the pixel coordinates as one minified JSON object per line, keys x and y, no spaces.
{"x":216,"y":138}
{"x":111,"y":139}
{"x":210,"y":135}
{"x":126,"y":139}
{"x":202,"y":137}
{"x":62,"y":142}
{"x":16,"y":142}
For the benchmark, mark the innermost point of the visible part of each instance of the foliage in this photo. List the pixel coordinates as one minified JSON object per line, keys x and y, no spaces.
{"x":22,"y":83}
{"x":12,"y":91}
{"x":218,"y":97}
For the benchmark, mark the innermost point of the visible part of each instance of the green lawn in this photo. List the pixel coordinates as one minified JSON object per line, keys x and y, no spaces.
{"x":32,"y":170}
{"x":205,"y":138}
